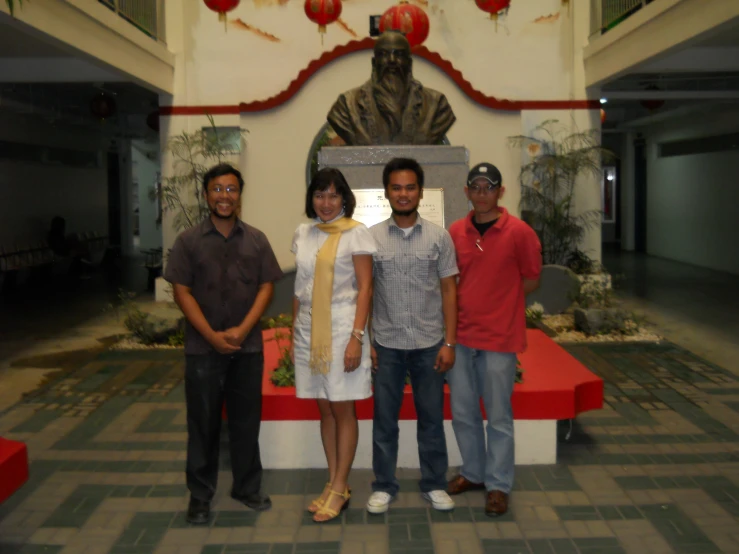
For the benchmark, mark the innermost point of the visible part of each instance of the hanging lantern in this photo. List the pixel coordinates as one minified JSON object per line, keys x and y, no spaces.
{"x":653,"y":104}
{"x":602,"y":116}
{"x":410,"y":20}
{"x":323,"y":12}
{"x":494,"y":8}
{"x":102,"y":106}
{"x":221,"y":7}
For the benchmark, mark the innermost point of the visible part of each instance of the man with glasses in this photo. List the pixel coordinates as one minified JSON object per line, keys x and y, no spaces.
{"x":499,"y":260}
{"x":222,"y":271}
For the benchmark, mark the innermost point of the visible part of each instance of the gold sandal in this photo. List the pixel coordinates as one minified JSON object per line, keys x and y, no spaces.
{"x":325,"y":510}
{"x":319,"y":502}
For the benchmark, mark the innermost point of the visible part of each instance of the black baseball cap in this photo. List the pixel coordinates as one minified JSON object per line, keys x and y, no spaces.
{"x":485,"y":171}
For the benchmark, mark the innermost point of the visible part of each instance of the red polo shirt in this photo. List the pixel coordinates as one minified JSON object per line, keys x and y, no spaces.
{"x":490,"y":299}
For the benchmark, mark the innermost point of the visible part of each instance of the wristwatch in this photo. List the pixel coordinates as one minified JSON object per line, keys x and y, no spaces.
{"x":449,"y":344}
{"x":360,"y":331}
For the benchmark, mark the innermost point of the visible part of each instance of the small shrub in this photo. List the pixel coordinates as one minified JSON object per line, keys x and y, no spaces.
{"x":535,"y":312}
{"x":619,"y":321}
{"x":582,"y":264}
{"x":595,"y":293}
{"x":284,"y":374}
{"x":145,"y":328}
{"x":282,"y":320}
{"x":177,"y":338}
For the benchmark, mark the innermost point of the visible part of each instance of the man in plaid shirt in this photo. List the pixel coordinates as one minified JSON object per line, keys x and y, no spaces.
{"x":414,"y":330}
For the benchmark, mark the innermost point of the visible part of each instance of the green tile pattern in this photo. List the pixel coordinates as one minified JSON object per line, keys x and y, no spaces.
{"x":642,"y":384}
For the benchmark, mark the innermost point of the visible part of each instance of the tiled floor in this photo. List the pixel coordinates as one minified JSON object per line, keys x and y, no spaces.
{"x":656,"y":471}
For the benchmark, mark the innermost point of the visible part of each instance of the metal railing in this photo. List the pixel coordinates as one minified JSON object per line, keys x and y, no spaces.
{"x":145,"y":15}
{"x":606,"y":14}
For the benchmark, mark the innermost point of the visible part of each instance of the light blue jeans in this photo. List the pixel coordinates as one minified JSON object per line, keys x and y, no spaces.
{"x":488,"y":375}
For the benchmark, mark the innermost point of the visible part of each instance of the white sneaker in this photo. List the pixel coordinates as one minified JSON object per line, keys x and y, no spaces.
{"x":440,"y":500}
{"x":379,"y":502}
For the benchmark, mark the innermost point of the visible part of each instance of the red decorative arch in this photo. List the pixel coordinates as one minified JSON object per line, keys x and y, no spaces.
{"x":368,"y":43}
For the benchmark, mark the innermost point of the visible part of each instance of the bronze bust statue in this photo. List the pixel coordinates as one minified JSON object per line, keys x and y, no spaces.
{"x":392,"y":107}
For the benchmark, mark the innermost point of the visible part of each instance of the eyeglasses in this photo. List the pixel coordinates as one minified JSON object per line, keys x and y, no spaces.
{"x":477,"y":189}
{"x":229,"y":189}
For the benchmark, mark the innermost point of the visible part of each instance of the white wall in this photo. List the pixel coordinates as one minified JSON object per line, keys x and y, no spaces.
{"x":535,"y":54}
{"x":693,"y":200}
{"x":145,"y":169}
{"x":32,"y":194}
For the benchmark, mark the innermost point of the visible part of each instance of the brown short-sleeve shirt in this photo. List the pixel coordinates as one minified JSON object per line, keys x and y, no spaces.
{"x":224,"y":275}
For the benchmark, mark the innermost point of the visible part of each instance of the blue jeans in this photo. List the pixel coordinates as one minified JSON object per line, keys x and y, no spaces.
{"x":490,"y":375}
{"x":428,"y":397}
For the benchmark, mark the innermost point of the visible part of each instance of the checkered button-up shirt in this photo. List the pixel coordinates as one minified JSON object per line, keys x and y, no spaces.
{"x":407,"y":310}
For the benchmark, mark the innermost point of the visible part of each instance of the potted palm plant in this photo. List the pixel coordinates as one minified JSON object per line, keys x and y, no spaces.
{"x":556,"y":160}
{"x":11,"y":5}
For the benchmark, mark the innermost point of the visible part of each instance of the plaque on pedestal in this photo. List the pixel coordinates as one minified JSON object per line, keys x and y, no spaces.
{"x":445,"y":169}
{"x":372,"y":206}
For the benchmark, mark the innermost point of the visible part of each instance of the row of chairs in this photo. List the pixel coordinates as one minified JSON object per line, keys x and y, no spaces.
{"x":37,"y":254}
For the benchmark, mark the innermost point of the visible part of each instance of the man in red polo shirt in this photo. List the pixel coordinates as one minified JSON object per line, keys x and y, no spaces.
{"x":499,"y":260}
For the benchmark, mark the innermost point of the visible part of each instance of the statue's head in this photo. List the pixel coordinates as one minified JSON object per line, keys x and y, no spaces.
{"x":392,"y":56}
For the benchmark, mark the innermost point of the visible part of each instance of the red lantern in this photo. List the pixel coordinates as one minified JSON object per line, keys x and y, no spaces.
{"x":222,"y":7}
{"x":602,"y":116}
{"x":653,"y":103}
{"x":323,"y":12}
{"x":410,"y":20}
{"x":494,"y":8}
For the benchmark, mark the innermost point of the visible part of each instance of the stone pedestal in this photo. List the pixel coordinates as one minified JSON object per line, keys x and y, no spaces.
{"x":444,"y":167}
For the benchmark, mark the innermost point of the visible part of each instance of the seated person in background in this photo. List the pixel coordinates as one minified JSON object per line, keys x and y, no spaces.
{"x":64,"y":245}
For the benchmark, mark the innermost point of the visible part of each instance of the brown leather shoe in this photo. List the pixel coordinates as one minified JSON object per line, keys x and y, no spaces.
{"x":460,"y":484}
{"x":496,"y":504}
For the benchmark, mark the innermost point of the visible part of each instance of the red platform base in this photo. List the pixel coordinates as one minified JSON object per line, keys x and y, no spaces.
{"x":13,"y":467}
{"x":556,"y":386}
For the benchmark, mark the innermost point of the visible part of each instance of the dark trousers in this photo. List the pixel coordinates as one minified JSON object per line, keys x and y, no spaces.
{"x":428,"y":397}
{"x":209,"y":379}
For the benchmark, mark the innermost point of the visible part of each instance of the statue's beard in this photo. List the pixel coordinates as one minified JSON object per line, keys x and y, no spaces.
{"x":390,"y":92}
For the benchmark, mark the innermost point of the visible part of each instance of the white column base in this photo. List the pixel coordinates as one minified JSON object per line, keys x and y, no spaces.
{"x":297,"y":444}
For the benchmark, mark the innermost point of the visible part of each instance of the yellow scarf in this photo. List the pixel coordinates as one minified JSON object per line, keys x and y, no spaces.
{"x":323,"y":288}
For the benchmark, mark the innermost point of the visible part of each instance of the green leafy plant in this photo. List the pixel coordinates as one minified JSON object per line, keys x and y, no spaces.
{"x":535,"y":312}
{"x":277,"y":322}
{"x":177,"y":338}
{"x":595,"y":294}
{"x":284,"y":374}
{"x":519,"y":371}
{"x":557,"y":160}
{"x":193,"y":155}
{"x":582,"y":264}
{"x":11,"y":5}
{"x":621,"y":322}
{"x":146,"y":329}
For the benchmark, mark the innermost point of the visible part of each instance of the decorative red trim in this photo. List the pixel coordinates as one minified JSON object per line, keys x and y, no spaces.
{"x":368,"y":43}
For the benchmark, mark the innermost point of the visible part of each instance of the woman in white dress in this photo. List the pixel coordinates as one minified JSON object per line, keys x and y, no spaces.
{"x":333,"y":291}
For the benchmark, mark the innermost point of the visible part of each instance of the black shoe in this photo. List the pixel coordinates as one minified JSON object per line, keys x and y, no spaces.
{"x":256,"y":501}
{"x":198,"y":511}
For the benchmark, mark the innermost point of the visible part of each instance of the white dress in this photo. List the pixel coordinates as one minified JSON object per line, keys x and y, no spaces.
{"x":337,"y":385}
